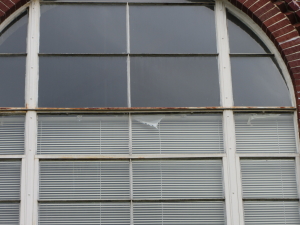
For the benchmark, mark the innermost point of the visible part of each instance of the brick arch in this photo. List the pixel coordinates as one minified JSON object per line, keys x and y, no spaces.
{"x":279,"y":19}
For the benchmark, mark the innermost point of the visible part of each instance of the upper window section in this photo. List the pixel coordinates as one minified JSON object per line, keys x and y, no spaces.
{"x":242,"y":39}
{"x":83,"y":29}
{"x":172,"y":29}
{"x":13,"y":37}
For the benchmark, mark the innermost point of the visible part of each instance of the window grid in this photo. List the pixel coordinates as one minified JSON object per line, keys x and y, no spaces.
{"x":29,"y":198}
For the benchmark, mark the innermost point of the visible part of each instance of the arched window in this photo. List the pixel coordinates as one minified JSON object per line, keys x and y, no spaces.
{"x":144,"y":112}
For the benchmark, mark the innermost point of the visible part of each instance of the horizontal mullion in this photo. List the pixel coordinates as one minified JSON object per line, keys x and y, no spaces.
{"x":133,"y":156}
{"x":9,"y":201}
{"x":14,"y":110}
{"x":271,"y":199}
{"x":123,"y":54}
{"x":129,"y":200}
{"x":199,"y":3}
{"x":268,"y":155}
{"x":251,"y":54}
{"x":12,"y":156}
{"x":12,"y":54}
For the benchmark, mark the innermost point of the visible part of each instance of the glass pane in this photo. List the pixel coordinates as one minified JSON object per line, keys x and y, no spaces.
{"x":265,"y":133}
{"x":83,"y":134}
{"x":271,"y":213}
{"x":257,"y":81}
{"x":12,"y":135}
{"x":179,"y":213}
{"x":83,"y":82}
{"x":12,"y":84}
{"x":105,"y":213}
{"x":9,"y":213}
{"x":10,"y":172}
{"x":269,"y":179}
{"x":242,"y":39}
{"x":177,"y":134}
{"x":190,"y":179}
{"x":13,"y":37}
{"x":174,"y":82}
{"x":102,"y":29}
{"x":84,"y":180}
{"x":172,"y":29}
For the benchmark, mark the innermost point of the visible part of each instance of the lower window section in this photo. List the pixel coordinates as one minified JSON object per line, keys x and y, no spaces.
{"x":264,"y":212}
{"x":111,"y":213}
{"x":186,"y":213}
{"x":9,"y":213}
{"x":84,"y":213}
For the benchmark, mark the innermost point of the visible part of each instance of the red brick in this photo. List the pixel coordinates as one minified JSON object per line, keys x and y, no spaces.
{"x":269,"y":14}
{"x":264,"y":9}
{"x":290,"y":44}
{"x":257,"y":5}
{"x":291,"y":16}
{"x":295,"y":70}
{"x":269,"y":22}
{"x":283,"y":31}
{"x":297,"y":82}
{"x":292,"y":50}
{"x":278,"y":25}
{"x":8,"y":3}
{"x":287,"y":36}
{"x":282,"y":6}
{"x":293,"y":57}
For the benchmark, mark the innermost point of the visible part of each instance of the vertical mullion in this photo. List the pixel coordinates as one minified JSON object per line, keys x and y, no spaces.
{"x":28,"y":214}
{"x":232,"y":174}
{"x":130,"y":170}
{"x":31,"y":89}
{"x":30,"y":149}
{"x":128,"y":56}
{"x":223,"y":59}
{"x":297,"y":159}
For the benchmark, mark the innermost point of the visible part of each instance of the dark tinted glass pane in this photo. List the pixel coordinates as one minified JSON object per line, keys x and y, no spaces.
{"x":172,"y":29}
{"x":242,"y":39}
{"x":83,"y":29}
{"x":174,"y":81}
{"x":258,"y":82}
{"x":13,"y":37}
{"x":83,"y":82}
{"x":12,"y":83}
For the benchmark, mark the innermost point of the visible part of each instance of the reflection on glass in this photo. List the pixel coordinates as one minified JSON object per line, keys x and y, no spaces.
{"x":242,"y":39}
{"x":174,"y":82}
{"x":258,"y":82}
{"x":83,"y":29}
{"x":172,"y":29}
{"x":83,"y":82}
{"x":12,"y":84}
{"x":13,"y":37}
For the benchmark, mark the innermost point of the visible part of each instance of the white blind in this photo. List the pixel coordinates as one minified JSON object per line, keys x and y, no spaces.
{"x":269,"y":178}
{"x":83,"y":134}
{"x":12,"y":135}
{"x":9,"y":213}
{"x":155,"y":134}
{"x":281,"y":213}
{"x":84,"y":213}
{"x":271,"y":133}
{"x":177,"y":179}
{"x":180,"y":213}
{"x":10,"y":172}
{"x":84,"y":180}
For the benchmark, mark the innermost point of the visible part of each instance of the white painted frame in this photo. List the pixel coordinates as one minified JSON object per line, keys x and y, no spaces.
{"x":231,"y":160}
